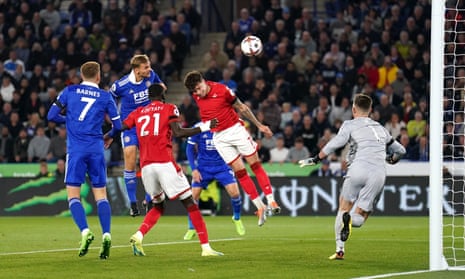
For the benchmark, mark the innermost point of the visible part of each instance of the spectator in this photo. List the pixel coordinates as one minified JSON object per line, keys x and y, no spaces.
{"x":57,"y":148}
{"x":7,"y":88}
{"x":416,"y":127}
{"x":188,"y":108}
{"x":38,"y":147}
{"x":298,"y":152}
{"x":309,"y":134}
{"x":80,"y":16}
{"x":43,"y":169}
{"x":271,"y":112}
{"x":387,"y":73}
{"x":12,"y":64}
{"x":21,"y":146}
{"x":193,"y":18}
{"x":279,"y":153}
{"x":385,"y":109}
{"x":60,"y":170}
{"x":6,"y":146}
{"x":263,"y":152}
{"x":342,"y":112}
{"x":214,"y":53}
{"x":226,"y":80}
{"x":15,"y":124}
{"x":289,"y":136}
{"x":394,"y":125}
{"x":324,"y":170}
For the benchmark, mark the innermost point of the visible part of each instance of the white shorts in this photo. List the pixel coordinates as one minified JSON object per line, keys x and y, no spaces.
{"x":233,"y":142}
{"x":159,"y":178}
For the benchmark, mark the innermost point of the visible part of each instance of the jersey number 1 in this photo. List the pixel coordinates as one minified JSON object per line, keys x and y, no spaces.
{"x":145,"y":119}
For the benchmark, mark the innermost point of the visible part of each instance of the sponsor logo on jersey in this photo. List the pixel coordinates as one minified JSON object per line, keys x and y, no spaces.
{"x":140,"y":97}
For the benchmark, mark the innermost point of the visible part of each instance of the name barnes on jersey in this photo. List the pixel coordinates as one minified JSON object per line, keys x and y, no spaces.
{"x":88,"y":92}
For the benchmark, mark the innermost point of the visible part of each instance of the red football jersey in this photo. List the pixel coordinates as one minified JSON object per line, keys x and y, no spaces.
{"x":218,"y":104}
{"x":153,"y":131}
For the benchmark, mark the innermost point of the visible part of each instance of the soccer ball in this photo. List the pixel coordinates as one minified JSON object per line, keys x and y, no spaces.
{"x":251,"y":46}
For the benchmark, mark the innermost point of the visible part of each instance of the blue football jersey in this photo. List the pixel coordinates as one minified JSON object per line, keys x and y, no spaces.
{"x":206,"y":151}
{"x":86,"y":106}
{"x":133,"y":95}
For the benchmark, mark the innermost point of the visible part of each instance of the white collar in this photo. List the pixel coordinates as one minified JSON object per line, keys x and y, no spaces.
{"x":132,"y":78}
{"x":90,"y":83}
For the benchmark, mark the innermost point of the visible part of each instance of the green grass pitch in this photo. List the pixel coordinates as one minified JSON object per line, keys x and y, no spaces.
{"x":285,"y":247}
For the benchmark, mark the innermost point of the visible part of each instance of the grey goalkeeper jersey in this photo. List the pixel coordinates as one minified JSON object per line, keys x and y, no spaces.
{"x":367,"y":142}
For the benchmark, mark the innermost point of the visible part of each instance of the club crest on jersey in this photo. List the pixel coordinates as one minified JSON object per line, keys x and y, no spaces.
{"x":127,"y":139}
{"x":148,"y":83}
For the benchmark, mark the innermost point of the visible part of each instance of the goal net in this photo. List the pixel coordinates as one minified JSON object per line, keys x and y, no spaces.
{"x":447,"y":132}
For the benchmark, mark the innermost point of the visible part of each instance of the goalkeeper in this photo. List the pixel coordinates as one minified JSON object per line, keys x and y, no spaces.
{"x":370,"y":145}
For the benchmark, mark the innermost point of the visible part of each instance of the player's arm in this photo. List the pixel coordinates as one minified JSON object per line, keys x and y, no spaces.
{"x":191,"y":154}
{"x":335,"y":143}
{"x":245,"y":111}
{"x":55,"y":112}
{"x":394,"y":151}
{"x":179,"y":131}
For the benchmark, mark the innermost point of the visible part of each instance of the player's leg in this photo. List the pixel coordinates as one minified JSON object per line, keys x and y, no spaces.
{"x":97,"y":175}
{"x":199,"y":224}
{"x":152,"y":186}
{"x":236,"y":202}
{"x":175,"y":185}
{"x":263,"y":181}
{"x":249,"y":188}
{"x":75,"y":176}
{"x":130,"y":178}
{"x":196,"y":190}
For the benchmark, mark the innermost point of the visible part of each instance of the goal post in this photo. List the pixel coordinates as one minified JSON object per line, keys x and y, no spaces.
{"x":436,"y":258}
{"x":447,"y":166}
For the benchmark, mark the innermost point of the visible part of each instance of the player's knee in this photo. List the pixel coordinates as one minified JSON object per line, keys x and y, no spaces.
{"x":255,"y":166}
{"x":357,"y":220}
{"x":241,"y":173}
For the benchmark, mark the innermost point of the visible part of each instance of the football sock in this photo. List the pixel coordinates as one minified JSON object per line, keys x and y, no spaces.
{"x":78,"y":213}
{"x":150,"y":219}
{"x":262,"y":178}
{"x":269,"y":198}
{"x":236,"y":207}
{"x":357,"y":220}
{"x":190,"y":226}
{"x":148,"y":199}
{"x":199,"y":224}
{"x":131,"y":184}
{"x":104,"y":214}
{"x":337,"y":230}
{"x":258,"y":203}
{"x":247,"y":183}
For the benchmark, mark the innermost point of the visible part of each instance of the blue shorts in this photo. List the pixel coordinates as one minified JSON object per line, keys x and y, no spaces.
{"x":223,"y":174}
{"x":80,"y":164}
{"x":129,"y":137}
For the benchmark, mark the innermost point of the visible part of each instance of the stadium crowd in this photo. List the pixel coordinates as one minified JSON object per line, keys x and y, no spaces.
{"x":302,"y":86}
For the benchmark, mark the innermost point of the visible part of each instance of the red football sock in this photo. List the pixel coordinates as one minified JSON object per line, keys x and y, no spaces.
{"x":198,"y":223}
{"x":262,"y":178}
{"x":247,"y":183}
{"x":150,"y":220}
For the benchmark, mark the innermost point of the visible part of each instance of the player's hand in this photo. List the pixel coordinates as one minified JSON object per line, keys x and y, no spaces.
{"x":213,"y":123}
{"x":393,"y":158}
{"x":309,"y":161}
{"x":196,"y":176}
{"x":266,"y":130}
{"x":107,"y":140}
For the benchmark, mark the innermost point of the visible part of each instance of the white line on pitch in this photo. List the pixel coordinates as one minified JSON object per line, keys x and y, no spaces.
{"x":393,"y":274}
{"x":116,"y":246}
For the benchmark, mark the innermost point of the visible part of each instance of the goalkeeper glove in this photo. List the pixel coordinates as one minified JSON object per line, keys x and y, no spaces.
{"x":393,"y":158}
{"x":309,"y":161}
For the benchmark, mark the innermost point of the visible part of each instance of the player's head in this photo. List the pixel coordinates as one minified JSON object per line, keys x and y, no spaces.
{"x":195,"y":83}
{"x":90,"y":71}
{"x":362,"y":105}
{"x":140,"y":64}
{"x":157,"y":92}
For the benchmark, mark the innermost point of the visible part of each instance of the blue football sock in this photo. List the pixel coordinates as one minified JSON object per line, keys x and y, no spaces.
{"x":236,"y":205}
{"x":78,"y":213}
{"x":104,"y":214}
{"x":131,"y":184}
